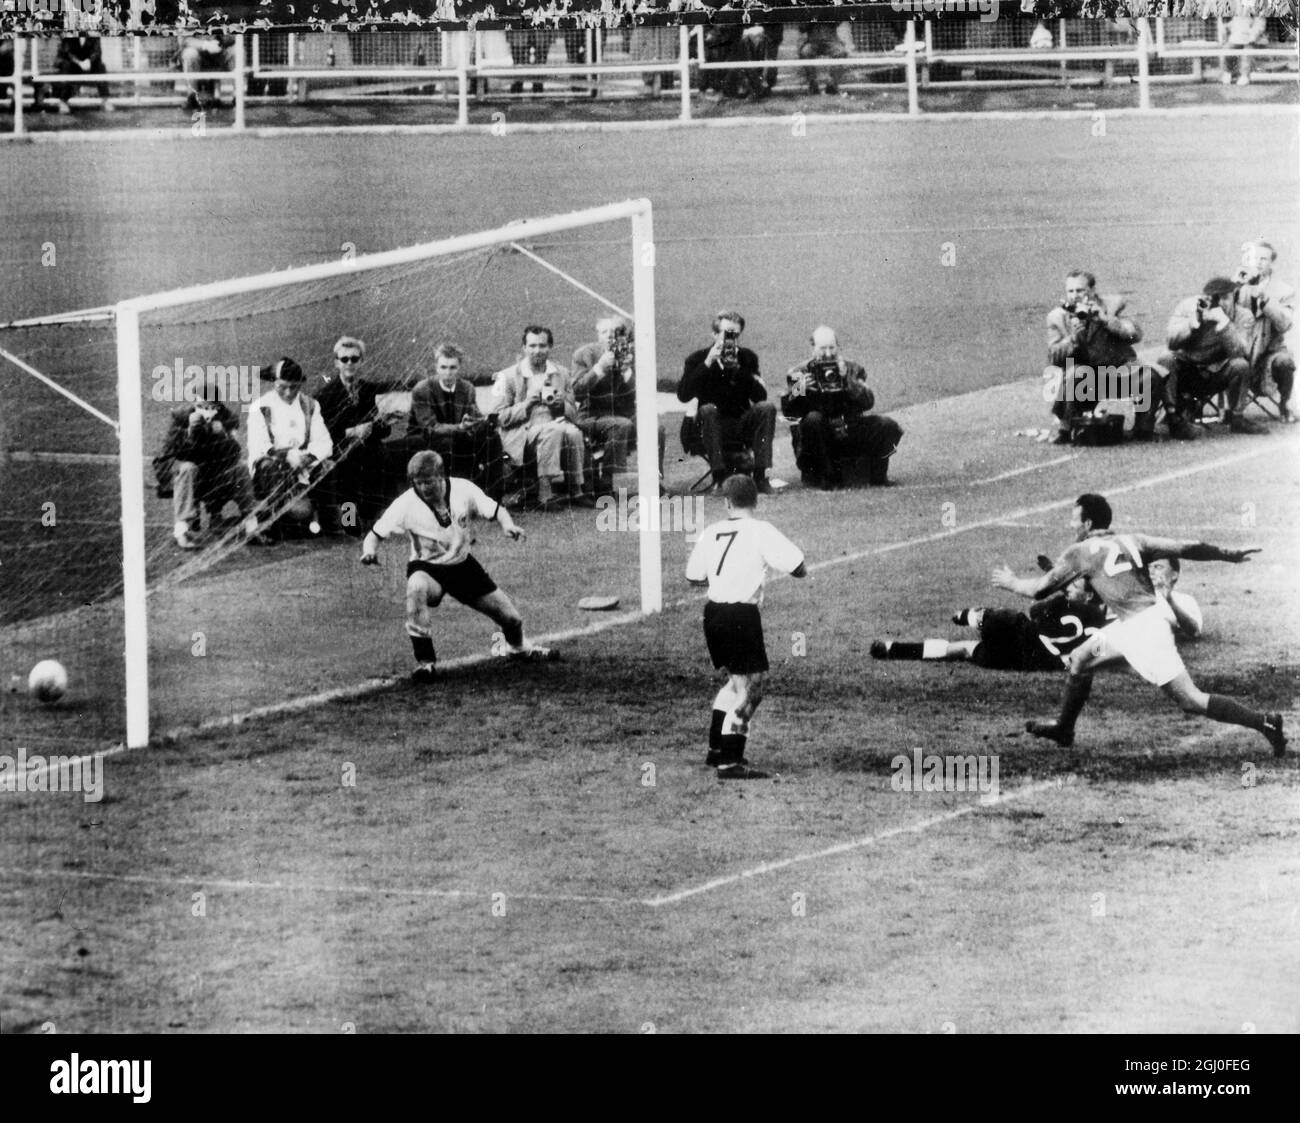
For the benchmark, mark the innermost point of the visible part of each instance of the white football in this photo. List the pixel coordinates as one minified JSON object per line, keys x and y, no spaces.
{"x":48,"y":681}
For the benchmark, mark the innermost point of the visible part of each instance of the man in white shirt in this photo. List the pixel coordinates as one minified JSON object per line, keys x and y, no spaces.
{"x":434,"y":513}
{"x":733,"y":557}
{"x":288,"y":444}
{"x":535,"y":406}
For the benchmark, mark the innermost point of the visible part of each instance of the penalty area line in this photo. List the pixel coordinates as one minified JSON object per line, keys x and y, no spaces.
{"x":851,"y":845}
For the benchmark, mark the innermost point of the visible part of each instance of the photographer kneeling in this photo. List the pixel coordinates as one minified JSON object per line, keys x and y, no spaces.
{"x":831,"y":400}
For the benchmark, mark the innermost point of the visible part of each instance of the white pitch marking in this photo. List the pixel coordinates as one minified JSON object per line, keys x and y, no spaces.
{"x":1022,"y":471}
{"x":280,"y":886}
{"x":555,"y":898}
{"x":844,"y":847}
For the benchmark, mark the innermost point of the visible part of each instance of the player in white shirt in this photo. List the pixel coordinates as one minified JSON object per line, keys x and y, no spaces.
{"x":434,"y":513}
{"x":733,"y":557}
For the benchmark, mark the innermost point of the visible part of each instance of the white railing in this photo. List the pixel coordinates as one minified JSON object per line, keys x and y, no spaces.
{"x":467,"y":62}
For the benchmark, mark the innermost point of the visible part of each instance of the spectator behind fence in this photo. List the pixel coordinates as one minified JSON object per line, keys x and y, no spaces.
{"x":733,"y":407}
{"x":537,"y":412}
{"x":353,"y":494}
{"x":445,"y":418}
{"x":79,"y":54}
{"x":604,"y":382}
{"x":288,"y":446}
{"x":1272,"y":302}
{"x":1209,"y":338}
{"x":1243,"y":32}
{"x":200,"y":467}
{"x":830,"y":397}
{"x":821,"y":40}
{"x":1091,"y":360}
{"x":211,"y":51}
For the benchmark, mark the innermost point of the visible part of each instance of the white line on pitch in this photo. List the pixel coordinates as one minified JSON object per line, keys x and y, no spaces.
{"x":282,"y":886}
{"x":846,"y":847}
{"x":1022,"y":471}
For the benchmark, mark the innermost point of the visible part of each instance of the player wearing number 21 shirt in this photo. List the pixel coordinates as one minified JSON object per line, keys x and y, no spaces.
{"x":1116,"y":566}
{"x":733,"y":558}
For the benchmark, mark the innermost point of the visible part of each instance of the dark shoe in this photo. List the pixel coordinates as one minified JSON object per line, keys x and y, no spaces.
{"x":424,"y":674}
{"x":1052,"y":731}
{"x":880,"y":649}
{"x":1239,"y":424}
{"x":714,"y":758}
{"x":1183,"y":430}
{"x":582,"y":500}
{"x":1273,"y":731}
{"x":740,"y":771}
{"x":764,"y":488}
{"x":1063,"y":437}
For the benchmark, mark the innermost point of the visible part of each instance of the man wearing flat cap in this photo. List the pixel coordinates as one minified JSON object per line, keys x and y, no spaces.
{"x":288,"y":443}
{"x":1209,"y":346}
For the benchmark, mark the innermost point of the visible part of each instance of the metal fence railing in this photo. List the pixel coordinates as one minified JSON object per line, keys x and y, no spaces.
{"x":461,"y":68}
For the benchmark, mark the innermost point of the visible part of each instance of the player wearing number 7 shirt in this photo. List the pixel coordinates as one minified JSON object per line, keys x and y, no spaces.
{"x":1115,"y":565}
{"x":733,"y":558}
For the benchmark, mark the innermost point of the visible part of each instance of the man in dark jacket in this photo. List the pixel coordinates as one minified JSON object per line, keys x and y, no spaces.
{"x":353,"y":493}
{"x":733,"y":406}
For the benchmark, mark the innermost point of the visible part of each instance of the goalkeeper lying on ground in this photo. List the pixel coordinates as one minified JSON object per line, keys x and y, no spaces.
{"x":1040,"y":641}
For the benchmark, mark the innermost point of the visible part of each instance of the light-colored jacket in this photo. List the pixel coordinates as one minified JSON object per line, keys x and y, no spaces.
{"x":518,"y":407}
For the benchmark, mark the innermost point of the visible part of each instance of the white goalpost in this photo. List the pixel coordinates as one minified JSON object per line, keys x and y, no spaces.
{"x":135,"y":315}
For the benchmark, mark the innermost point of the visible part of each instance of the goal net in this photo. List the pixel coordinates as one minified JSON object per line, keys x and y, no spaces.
{"x":157,"y":639}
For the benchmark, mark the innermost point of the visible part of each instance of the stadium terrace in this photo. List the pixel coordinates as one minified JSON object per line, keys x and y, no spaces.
{"x":987,"y":9}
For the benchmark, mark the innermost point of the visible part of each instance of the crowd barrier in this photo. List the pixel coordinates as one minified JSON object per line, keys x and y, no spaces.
{"x":459,"y":68}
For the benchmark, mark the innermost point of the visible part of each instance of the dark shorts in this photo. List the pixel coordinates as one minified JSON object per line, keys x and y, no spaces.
{"x":467,"y":581}
{"x":734,"y":633}
{"x":1009,"y":642}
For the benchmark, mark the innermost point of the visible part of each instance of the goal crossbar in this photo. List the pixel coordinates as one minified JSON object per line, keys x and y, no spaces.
{"x":130,"y":314}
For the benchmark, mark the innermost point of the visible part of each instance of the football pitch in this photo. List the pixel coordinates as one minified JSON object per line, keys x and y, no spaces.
{"x":539,"y":847}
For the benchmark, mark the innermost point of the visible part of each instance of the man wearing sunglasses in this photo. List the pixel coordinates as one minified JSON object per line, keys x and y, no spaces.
{"x":352,"y":495}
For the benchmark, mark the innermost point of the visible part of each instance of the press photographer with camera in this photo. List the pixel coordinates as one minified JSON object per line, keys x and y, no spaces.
{"x":830,"y":398}
{"x":1209,"y":338}
{"x":1272,"y":302}
{"x":1090,"y":342}
{"x":733,"y":412}
{"x":604,"y":383}
{"x":536,"y":410}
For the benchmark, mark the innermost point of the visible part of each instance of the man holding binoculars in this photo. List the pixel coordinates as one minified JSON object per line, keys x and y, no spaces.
{"x":831,"y":400}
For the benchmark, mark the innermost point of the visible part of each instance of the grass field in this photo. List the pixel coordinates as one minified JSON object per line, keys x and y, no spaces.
{"x":540,"y":848}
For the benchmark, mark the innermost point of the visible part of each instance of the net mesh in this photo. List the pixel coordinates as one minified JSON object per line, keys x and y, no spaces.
{"x":233,"y":628}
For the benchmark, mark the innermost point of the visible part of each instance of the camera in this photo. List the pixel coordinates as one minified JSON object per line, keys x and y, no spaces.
{"x":620,"y":346}
{"x":1246,"y":276}
{"x":1080,"y":309}
{"x":827,"y":389}
{"x":731,"y":349}
{"x":824,"y":376}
